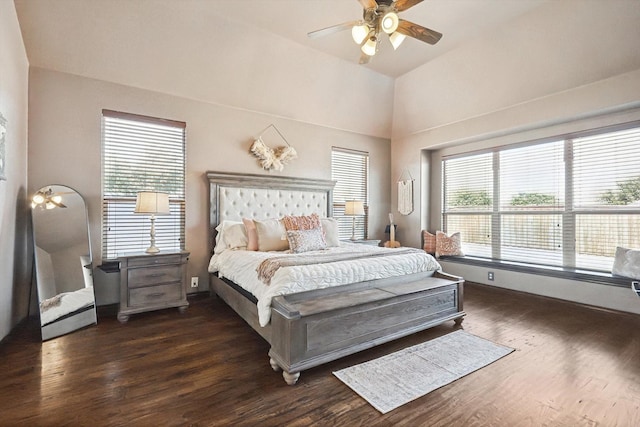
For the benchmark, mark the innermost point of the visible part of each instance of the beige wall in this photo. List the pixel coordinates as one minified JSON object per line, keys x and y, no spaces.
{"x":566,"y":66}
{"x":230,"y":63}
{"x":15,"y":262}
{"x":65,"y":148}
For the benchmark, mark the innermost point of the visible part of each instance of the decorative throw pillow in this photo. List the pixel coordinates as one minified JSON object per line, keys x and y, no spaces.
{"x":428,"y":242}
{"x":252,"y":234}
{"x":626,"y":263}
{"x":448,"y":245}
{"x":235,"y":236}
{"x":304,"y":222}
{"x":306,"y":240}
{"x":222,"y":228}
{"x":330,"y":229}
{"x":271,"y":235}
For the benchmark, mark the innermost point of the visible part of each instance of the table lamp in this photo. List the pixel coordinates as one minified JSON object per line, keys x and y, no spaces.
{"x":152,"y":203}
{"x":353,"y":208}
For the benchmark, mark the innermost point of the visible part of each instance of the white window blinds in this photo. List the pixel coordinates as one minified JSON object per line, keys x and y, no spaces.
{"x":606,"y":197}
{"x":566,"y":202}
{"x":350,"y":169}
{"x":141,"y":154}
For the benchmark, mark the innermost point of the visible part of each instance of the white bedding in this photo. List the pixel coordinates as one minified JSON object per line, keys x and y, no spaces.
{"x":68,"y":303}
{"x":240,"y":267}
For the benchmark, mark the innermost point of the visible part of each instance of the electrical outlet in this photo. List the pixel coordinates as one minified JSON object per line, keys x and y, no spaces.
{"x":490,"y":275}
{"x":194,"y":282}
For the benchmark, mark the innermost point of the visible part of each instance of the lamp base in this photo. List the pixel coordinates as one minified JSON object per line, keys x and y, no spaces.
{"x":152,"y":250}
{"x":392,"y":244}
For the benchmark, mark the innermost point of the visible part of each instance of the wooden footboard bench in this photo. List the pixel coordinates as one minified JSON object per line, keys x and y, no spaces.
{"x":310,"y":328}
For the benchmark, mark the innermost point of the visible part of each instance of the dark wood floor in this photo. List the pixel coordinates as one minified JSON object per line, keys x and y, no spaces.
{"x":573,"y":366}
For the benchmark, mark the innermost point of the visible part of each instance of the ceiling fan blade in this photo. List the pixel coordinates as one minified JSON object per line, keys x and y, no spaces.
{"x":406,"y":4}
{"x":364,"y":58}
{"x":57,"y":204}
{"x":418,"y":32}
{"x":333,"y":29}
{"x":369,"y":4}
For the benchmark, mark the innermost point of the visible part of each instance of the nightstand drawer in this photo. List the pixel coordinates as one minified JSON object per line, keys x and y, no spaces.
{"x":153,"y":275}
{"x":155,"y":294}
{"x":148,"y":261}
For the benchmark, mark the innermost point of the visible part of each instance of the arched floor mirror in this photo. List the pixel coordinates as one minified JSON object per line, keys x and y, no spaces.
{"x":63,"y":261}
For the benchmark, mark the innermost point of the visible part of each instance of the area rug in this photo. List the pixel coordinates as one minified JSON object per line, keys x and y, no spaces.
{"x":398,"y":378}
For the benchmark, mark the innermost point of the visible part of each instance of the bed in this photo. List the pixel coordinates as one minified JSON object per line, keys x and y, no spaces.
{"x":354,"y":298}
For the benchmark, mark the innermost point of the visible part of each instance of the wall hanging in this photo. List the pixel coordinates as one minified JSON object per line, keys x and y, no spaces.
{"x":269,"y":158}
{"x":405,"y":193}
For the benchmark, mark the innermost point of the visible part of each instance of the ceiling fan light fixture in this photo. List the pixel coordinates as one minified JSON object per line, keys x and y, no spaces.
{"x":369,"y":48}
{"x":359,"y":33}
{"x":390,"y":22}
{"x":396,"y":39}
{"x":38,"y":198}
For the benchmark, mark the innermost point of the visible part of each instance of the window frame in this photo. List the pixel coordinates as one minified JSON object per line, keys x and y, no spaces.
{"x":569,"y":214}
{"x":341,"y":195}
{"x":118,"y":203}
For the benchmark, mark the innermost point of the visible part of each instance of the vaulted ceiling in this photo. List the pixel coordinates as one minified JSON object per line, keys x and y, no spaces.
{"x":54,"y":31}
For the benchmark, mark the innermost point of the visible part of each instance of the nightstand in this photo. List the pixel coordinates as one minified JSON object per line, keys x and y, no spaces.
{"x":371,"y":242}
{"x":152,"y":282}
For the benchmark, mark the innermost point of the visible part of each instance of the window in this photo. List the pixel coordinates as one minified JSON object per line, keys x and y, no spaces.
{"x":563,"y":202}
{"x":350,"y":169}
{"x":141,"y":154}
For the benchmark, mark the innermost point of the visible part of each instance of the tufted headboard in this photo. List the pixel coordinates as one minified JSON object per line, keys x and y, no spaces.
{"x":234,"y":196}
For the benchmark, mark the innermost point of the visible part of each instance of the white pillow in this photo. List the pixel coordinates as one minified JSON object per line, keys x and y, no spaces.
{"x":235,"y":236}
{"x":330,"y":228}
{"x":272,"y":235}
{"x":626,"y":263}
{"x":221,"y":238}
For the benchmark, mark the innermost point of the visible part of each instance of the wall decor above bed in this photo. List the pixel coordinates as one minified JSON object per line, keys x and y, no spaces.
{"x":269,"y":158}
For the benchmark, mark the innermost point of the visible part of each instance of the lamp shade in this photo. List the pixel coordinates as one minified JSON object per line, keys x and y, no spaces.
{"x":369,"y":48}
{"x":148,"y":202}
{"x":390,"y":22}
{"x":359,"y":33}
{"x":354,"y":207}
{"x":396,"y":39}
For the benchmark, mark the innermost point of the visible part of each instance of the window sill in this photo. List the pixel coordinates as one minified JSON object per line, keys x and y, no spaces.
{"x":598,"y":277}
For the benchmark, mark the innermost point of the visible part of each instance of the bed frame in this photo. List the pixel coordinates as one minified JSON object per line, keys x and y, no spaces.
{"x":310,"y":328}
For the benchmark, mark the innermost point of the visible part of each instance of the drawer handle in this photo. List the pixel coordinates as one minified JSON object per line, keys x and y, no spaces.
{"x":156,"y":295}
{"x":155,"y":275}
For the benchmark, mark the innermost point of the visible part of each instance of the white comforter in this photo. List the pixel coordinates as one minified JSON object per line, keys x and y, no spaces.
{"x":240,"y":267}
{"x":68,"y":303}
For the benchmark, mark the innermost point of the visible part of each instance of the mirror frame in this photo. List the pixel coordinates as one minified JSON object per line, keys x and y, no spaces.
{"x":74,"y":308}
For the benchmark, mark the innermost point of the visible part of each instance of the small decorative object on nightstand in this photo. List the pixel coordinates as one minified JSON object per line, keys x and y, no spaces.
{"x":392,"y":243}
{"x":152,"y":282}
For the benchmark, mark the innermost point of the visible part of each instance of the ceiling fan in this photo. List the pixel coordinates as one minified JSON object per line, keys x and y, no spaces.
{"x":48,"y":199}
{"x":381,"y":16}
